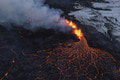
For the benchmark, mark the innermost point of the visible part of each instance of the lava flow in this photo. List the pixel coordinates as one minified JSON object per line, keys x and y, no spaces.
{"x":76,"y":31}
{"x":77,"y":61}
{"x":51,"y":58}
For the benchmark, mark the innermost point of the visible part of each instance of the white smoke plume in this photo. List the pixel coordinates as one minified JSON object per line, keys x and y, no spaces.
{"x":33,"y":13}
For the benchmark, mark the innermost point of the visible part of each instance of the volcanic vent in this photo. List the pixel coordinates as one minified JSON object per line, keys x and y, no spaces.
{"x":27,"y":55}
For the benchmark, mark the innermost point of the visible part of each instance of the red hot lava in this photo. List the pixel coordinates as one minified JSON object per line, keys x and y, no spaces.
{"x":76,"y":31}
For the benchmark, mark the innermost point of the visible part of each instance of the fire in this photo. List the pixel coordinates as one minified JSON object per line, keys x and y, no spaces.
{"x":76,"y":31}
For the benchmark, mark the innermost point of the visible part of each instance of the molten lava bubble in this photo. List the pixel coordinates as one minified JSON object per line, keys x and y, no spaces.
{"x":76,"y":31}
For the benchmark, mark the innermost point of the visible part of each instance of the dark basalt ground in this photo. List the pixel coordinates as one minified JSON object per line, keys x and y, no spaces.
{"x":50,"y":55}
{"x":16,"y":43}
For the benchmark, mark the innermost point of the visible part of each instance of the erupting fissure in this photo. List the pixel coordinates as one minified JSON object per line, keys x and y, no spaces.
{"x":75,"y":29}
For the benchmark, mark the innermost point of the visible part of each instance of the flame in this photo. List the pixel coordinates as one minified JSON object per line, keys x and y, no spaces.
{"x":76,"y":31}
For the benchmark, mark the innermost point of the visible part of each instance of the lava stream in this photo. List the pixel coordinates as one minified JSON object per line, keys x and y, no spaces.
{"x":76,"y":31}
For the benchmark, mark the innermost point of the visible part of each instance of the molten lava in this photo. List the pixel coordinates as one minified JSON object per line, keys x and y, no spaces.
{"x":76,"y":31}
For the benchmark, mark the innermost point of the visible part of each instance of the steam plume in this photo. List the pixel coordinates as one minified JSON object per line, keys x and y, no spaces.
{"x":30,"y":12}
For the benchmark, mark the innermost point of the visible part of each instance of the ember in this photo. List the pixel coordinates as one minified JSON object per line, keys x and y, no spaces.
{"x":76,"y":31}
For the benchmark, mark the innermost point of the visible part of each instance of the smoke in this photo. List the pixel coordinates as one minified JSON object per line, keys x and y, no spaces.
{"x":31,"y":13}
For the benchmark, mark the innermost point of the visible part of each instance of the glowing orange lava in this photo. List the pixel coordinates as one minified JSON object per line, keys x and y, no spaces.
{"x":76,"y":31}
